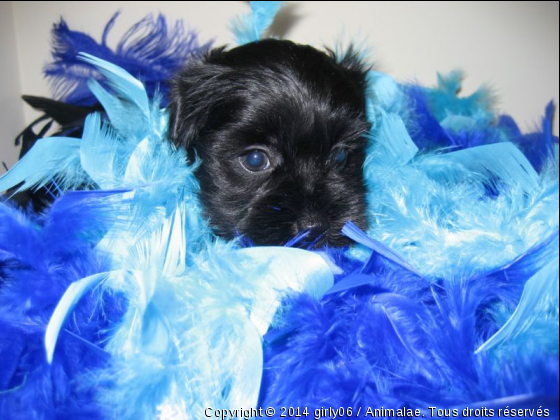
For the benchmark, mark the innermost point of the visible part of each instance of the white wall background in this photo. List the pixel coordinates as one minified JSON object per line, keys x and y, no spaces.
{"x":514,"y":46}
{"x":11,"y":106}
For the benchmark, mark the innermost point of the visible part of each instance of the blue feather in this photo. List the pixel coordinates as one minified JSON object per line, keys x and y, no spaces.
{"x":492,"y":163}
{"x":50,"y":158}
{"x":65,"y":306}
{"x":45,"y":255}
{"x":443,"y":100}
{"x":438,"y":118}
{"x":353,"y":281}
{"x":94,"y":348}
{"x":390,"y":142}
{"x":121,"y":82}
{"x":263,"y":15}
{"x":355,"y":233}
{"x":540,"y":294}
{"x":547,"y":128}
{"x":385,"y":91}
{"x":422,"y":125}
{"x":529,"y":263}
{"x":151,"y":50}
{"x":100,"y":144}
{"x":539,"y":146}
{"x":250,"y":28}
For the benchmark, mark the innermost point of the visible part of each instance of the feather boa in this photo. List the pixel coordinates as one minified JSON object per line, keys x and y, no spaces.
{"x":119,"y":303}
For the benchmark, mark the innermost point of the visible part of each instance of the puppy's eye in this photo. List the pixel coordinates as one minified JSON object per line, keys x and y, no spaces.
{"x":340,"y":158}
{"x":255,"y":161}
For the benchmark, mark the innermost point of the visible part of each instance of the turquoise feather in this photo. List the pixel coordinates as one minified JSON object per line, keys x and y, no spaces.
{"x":249,"y":28}
{"x":492,"y":163}
{"x":54,"y":158}
{"x":124,"y":85}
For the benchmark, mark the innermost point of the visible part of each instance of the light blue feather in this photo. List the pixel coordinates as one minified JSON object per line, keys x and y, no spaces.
{"x":450,"y":83}
{"x":289,"y":270}
{"x":355,"y":233}
{"x":249,"y":28}
{"x":493,"y":163}
{"x":245,"y":384}
{"x":65,"y":306}
{"x":390,"y":142}
{"x":385,"y":91}
{"x":127,"y":106}
{"x":540,"y":296}
{"x":51,"y":158}
{"x":123,"y":84}
{"x":444,"y":100}
{"x":264,"y":13}
{"x":101,"y":144}
{"x":123,"y":115}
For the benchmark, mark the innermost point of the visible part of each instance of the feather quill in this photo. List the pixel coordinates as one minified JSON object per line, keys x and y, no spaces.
{"x":64,"y":307}
{"x":355,"y":233}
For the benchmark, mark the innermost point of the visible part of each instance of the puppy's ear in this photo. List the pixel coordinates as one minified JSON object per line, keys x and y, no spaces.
{"x":351,"y":60}
{"x":194,"y":92}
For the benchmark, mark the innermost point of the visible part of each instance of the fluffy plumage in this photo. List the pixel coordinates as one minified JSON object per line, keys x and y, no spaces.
{"x":152,"y":50}
{"x":180,"y":293}
{"x":462,"y":217}
{"x":465,"y":253}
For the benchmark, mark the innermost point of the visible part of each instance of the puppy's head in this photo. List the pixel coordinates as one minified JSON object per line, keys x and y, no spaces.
{"x":280,"y":130}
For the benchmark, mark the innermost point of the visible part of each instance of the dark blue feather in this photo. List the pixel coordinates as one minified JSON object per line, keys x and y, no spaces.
{"x":423,"y":127}
{"x":40,"y":257}
{"x":355,"y":233}
{"x":151,"y":50}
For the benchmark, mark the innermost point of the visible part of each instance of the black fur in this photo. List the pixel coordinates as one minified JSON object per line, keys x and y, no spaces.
{"x":300,"y":107}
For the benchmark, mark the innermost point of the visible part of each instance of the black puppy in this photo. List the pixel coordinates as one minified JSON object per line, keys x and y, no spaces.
{"x":280,"y":129}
